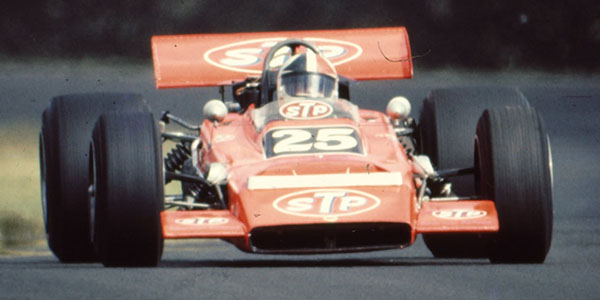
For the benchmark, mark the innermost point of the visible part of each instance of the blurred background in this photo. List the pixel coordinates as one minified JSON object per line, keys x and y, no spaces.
{"x":549,"y":35}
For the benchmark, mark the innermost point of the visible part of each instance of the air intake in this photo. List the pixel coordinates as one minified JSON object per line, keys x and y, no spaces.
{"x":328,"y":238}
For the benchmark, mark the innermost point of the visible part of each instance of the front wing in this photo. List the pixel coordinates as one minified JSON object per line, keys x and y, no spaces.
{"x":472,"y":216}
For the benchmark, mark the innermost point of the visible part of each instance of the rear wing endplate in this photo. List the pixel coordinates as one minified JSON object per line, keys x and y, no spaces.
{"x":220,"y":59}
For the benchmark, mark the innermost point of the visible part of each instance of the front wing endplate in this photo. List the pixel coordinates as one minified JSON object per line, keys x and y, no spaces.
{"x":201,"y":224}
{"x":476,"y":216}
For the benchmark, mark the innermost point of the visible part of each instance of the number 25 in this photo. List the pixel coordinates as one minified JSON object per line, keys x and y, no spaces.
{"x":327,"y":139}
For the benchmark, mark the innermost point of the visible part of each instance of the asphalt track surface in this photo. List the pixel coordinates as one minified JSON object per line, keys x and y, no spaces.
{"x":209,"y":269}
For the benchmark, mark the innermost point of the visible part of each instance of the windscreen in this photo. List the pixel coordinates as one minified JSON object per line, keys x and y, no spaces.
{"x":304,"y":109}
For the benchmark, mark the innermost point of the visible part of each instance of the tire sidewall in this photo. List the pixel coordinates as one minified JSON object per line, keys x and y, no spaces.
{"x":513,"y":170}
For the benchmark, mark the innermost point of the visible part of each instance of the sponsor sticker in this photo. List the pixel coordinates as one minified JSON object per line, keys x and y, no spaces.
{"x":328,"y":204}
{"x":305,"y":110}
{"x":459,"y":214}
{"x":202,"y":221}
{"x":247,"y":56}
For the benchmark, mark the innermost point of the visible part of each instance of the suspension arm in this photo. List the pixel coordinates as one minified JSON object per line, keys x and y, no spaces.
{"x":185,"y":177}
{"x":455,"y":172}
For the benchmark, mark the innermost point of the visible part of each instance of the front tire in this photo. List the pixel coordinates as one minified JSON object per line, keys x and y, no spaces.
{"x":128,"y":190}
{"x":64,"y":148}
{"x":447,"y":124}
{"x":514,"y":163}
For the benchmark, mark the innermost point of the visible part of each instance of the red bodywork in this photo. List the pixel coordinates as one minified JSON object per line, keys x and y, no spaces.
{"x":220,"y":59}
{"x":309,"y":202}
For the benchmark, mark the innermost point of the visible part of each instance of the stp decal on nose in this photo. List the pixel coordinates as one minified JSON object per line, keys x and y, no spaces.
{"x":328,"y":204}
{"x":305,"y":110}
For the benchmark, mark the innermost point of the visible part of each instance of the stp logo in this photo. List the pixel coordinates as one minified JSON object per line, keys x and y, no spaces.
{"x":329,"y":204}
{"x":202,"y":221}
{"x":459,"y":214}
{"x":247,"y":56}
{"x":305,"y":110}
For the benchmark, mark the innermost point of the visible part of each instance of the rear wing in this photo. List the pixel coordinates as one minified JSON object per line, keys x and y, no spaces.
{"x":220,"y":59}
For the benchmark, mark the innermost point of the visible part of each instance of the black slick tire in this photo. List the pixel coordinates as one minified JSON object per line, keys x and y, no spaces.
{"x":64,"y":148}
{"x":128,"y":190}
{"x":514,"y":163}
{"x":447,"y":125}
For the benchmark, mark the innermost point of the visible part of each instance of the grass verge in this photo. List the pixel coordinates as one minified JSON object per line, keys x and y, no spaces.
{"x":20,"y":209}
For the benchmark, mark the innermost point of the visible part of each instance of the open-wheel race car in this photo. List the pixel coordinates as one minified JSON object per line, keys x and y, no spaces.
{"x":290,"y":165}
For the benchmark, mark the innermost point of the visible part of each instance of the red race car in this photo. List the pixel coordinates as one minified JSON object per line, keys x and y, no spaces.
{"x":291,"y":165}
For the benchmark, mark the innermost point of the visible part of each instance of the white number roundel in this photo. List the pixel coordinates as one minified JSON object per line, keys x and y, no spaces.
{"x":287,"y":141}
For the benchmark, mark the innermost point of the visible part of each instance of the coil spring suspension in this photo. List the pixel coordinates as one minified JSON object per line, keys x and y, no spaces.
{"x":176,"y":158}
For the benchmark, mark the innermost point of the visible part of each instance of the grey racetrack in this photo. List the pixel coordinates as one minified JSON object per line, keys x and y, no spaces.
{"x":207,"y":269}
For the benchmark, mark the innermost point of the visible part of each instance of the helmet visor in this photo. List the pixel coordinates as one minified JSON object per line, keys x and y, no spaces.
{"x":312,"y":85}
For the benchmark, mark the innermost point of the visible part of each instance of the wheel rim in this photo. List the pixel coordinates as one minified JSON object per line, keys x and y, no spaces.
{"x":92,"y":193}
{"x":43,"y":185}
{"x":550,"y":164}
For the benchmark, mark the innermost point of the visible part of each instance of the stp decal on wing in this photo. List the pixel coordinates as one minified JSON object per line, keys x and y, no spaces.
{"x":220,"y":59}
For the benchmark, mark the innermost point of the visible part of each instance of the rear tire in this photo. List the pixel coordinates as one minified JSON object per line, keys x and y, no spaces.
{"x":64,"y":148}
{"x":447,"y":125}
{"x":514,"y":163}
{"x":128,"y":183}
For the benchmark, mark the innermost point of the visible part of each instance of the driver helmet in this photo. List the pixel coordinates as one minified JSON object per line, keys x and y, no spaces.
{"x":307,"y":75}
